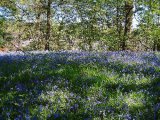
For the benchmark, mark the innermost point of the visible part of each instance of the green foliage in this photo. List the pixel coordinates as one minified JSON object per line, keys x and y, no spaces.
{"x":82,"y":24}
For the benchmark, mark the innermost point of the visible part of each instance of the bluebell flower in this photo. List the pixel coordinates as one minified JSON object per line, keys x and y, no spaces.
{"x":35,"y":118}
{"x":128,"y":117}
{"x":20,"y":87}
{"x":40,"y":108}
{"x":55,"y":87}
{"x":56,"y":115}
{"x":8,"y":114}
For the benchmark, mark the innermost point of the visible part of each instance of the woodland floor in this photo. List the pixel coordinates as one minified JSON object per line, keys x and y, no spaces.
{"x":80,"y":85}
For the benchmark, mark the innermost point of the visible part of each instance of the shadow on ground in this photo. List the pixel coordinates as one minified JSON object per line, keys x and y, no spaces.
{"x":58,"y":88}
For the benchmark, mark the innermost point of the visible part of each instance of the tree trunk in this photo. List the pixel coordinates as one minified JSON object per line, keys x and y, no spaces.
{"x":128,"y":9}
{"x":118,"y":22}
{"x":158,"y":46}
{"x":48,"y":29}
{"x":154,"y":45}
{"x":90,"y":45}
{"x":37,"y":27}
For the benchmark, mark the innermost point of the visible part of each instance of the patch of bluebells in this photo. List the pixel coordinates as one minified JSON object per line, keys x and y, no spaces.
{"x":123,"y":56}
{"x":125,"y":62}
{"x":121,"y":62}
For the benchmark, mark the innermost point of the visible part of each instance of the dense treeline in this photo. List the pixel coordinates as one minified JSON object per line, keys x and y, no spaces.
{"x":80,"y":25}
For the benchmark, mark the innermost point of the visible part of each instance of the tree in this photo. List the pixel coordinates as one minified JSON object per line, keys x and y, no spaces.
{"x":128,"y":13}
{"x":48,"y":29}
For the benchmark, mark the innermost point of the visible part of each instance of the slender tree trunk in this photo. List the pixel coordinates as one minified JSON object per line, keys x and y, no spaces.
{"x":90,"y":45}
{"x":158,"y":45}
{"x":128,"y":8}
{"x":37,"y":27}
{"x":154,"y":45}
{"x":156,"y":42}
{"x":118,"y":22}
{"x":48,"y":29}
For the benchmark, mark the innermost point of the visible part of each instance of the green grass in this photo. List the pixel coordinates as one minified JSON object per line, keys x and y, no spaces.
{"x":74,"y":92}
